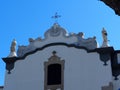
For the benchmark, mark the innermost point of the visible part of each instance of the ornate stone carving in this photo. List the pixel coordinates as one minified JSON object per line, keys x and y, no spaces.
{"x":105,"y":54}
{"x":54,"y":57}
{"x":22,"y":50}
{"x":10,"y":61}
{"x":38,"y":39}
{"x":55,"y":31}
{"x":31,"y":40}
{"x":89,"y":43}
{"x":105,"y":57}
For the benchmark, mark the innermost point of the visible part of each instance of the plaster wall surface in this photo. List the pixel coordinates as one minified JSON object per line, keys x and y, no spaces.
{"x":84,"y":71}
{"x":116,"y":83}
{"x":118,"y":56}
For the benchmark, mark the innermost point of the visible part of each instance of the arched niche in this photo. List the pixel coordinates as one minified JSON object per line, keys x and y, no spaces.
{"x":54,"y":73}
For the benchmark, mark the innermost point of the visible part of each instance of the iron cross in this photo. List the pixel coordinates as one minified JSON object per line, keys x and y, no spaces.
{"x":56,"y":16}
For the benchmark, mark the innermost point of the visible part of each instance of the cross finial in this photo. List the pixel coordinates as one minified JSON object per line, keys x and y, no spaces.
{"x":56,"y":16}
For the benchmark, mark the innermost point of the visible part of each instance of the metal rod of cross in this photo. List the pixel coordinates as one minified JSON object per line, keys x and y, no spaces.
{"x":55,"y":17}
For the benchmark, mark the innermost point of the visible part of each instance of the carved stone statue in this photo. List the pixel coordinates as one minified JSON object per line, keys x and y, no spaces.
{"x":105,"y":40}
{"x":13,"y":46}
{"x":104,"y":34}
{"x":13,"y":49}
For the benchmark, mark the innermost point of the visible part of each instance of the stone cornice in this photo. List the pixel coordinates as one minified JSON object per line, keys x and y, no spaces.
{"x":103,"y":52}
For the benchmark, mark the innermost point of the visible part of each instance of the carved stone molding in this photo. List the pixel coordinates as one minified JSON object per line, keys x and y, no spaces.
{"x":9,"y":63}
{"x":105,"y":54}
{"x":105,"y":57}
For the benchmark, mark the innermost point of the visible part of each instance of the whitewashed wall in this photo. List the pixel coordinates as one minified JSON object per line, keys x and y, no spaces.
{"x":83,"y":71}
{"x":116,"y":83}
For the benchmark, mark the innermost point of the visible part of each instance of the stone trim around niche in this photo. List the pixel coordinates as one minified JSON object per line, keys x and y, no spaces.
{"x":54,"y":60}
{"x":109,"y":87}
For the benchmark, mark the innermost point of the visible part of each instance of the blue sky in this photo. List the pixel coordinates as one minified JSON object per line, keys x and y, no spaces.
{"x":22,"y":19}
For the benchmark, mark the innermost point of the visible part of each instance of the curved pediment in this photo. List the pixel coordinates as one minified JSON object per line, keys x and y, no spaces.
{"x":57,"y":34}
{"x":55,"y":31}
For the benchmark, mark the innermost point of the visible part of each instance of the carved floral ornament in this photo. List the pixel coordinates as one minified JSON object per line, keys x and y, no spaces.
{"x":55,"y":31}
{"x":54,"y":57}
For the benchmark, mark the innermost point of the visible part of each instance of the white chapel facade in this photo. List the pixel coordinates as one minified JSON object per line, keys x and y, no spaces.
{"x":62,"y":61}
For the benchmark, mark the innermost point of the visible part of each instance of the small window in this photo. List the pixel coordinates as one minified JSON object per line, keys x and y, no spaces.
{"x":54,"y":73}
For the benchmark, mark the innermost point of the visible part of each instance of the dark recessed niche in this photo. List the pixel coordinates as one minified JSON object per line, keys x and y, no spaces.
{"x":54,"y":74}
